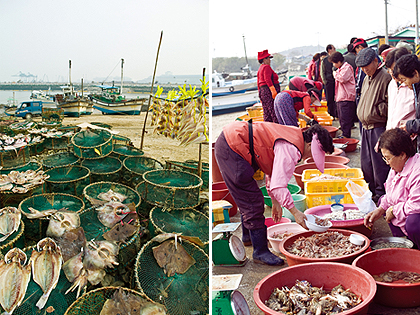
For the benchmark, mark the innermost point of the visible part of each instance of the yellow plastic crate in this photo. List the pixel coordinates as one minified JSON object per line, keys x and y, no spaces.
{"x":243,"y":117}
{"x":313,"y":200}
{"x":325,"y":121}
{"x":255,"y":111}
{"x":350,"y":173}
{"x":324,"y":103}
{"x":333,"y":186}
{"x":321,"y":109}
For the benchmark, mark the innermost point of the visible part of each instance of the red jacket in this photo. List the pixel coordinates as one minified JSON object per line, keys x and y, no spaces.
{"x":266,"y":76}
{"x":265,"y":134}
{"x":299,"y":83}
{"x":301,"y":100}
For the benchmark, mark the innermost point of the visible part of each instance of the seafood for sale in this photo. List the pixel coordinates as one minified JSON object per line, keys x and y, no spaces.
{"x":100,"y":254}
{"x":14,"y":279}
{"x":35,"y":214}
{"x":351,"y":214}
{"x":21,"y":182}
{"x":71,"y":242}
{"x":303,"y":298}
{"x":323,"y":245}
{"x":111,"y":195}
{"x":62,"y":221}
{"x":120,"y":232}
{"x":113,"y":212}
{"x":75,"y":273}
{"x":46,"y":263}
{"x":281,"y":236}
{"x":172,"y":258}
{"x":130,"y":304}
{"x":320,"y":177}
{"x":391,"y":276}
{"x":9,"y":222}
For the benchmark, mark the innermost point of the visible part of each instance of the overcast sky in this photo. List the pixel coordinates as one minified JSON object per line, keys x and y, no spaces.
{"x":279,"y":25}
{"x":40,"y":37}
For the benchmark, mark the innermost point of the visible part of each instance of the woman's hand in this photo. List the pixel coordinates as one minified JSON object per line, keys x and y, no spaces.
{"x":371,"y":217}
{"x":389,"y":214}
{"x":299,"y":217}
{"x":276,"y":211}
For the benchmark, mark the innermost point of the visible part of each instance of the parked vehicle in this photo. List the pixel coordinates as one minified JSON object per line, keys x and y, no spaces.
{"x":28,"y":109}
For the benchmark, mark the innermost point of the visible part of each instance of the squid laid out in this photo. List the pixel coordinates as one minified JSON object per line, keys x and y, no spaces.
{"x":46,"y":263}
{"x":14,"y":279}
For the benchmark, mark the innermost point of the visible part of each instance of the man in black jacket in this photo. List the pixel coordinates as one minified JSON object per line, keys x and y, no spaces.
{"x":329,"y":82}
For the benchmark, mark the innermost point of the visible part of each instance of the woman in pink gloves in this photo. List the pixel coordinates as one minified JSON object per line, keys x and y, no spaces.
{"x":268,"y":86}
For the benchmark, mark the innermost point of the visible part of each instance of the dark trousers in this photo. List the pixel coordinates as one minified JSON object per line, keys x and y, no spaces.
{"x":375,"y":170}
{"x":412,"y":226}
{"x":237,"y":174}
{"x":330,"y":95}
{"x":346,"y":111}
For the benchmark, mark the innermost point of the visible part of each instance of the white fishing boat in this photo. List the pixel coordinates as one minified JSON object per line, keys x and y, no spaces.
{"x":221,"y":87}
{"x":233,"y":103}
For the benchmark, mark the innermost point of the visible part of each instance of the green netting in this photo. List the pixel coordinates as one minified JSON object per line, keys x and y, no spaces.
{"x":59,"y":159}
{"x":67,"y":179}
{"x":136,"y":166}
{"x":181,"y":294}
{"x":94,"y":229}
{"x":93,"y":190}
{"x":22,"y":127}
{"x":189,"y":222}
{"x":118,"y":139}
{"x":102,"y":125}
{"x":57,"y":143}
{"x":92,"y":143}
{"x":65,"y":129}
{"x":145,"y":207}
{"x":36,"y":148}
{"x":123,"y":151}
{"x":58,"y":302}
{"x":15,"y":158}
{"x":32,"y":165}
{"x":172,"y":189}
{"x":107,"y":169}
{"x":191,"y":167}
{"x":92,"y":302}
{"x":14,"y":240}
{"x":49,"y":124}
{"x":36,"y":228}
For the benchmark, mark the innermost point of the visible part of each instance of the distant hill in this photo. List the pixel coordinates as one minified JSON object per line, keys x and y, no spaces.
{"x":302,"y":50}
{"x":169,"y":78}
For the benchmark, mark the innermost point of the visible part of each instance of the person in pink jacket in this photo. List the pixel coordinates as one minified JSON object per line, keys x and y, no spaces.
{"x":345,"y":93}
{"x":401,"y":203}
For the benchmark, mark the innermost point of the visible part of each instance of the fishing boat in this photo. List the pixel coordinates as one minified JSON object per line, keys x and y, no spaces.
{"x":233,"y":103}
{"x":112,"y":101}
{"x":73,"y":104}
{"x":222,"y":87}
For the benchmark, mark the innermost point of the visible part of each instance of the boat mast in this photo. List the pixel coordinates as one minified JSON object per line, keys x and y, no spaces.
{"x":122,"y":63}
{"x":246,"y":59}
{"x":71,"y":86}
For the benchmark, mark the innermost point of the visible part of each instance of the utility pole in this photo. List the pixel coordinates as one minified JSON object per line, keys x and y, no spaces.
{"x":386,"y":23}
{"x":417,"y":29}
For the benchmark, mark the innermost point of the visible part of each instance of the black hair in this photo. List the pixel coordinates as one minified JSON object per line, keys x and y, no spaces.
{"x":350,"y":48}
{"x":323,"y":53}
{"x":364,"y":45}
{"x":397,"y":141}
{"x":382,"y":48}
{"x":324,"y":137}
{"x":329,"y":46}
{"x":260,"y":61}
{"x":353,"y":39}
{"x":407,"y":65}
{"x":315,"y":90}
{"x":336,"y":57}
{"x":316,"y":57}
{"x":394,"y":55}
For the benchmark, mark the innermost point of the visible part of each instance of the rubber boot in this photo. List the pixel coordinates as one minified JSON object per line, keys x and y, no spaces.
{"x":261,"y":252}
{"x":246,"y":238}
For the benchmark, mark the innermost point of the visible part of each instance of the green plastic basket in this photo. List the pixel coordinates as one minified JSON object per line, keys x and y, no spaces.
{"x":67,"y":179}
{"x":172,"y":189}
{"x":123,"y":151}
{"x":191,"y":167}
{"x":93,"y":190}
{"x":92,"y":302}
{"x":107,"y":169}
{"x":58,"y":301}
{"x":136,"y":166}
{"x":189,"y":222}
{"x":59,"y":159}
{"x":92,"y":143}
{"x":36,"y":228}
{"x":181,"y":294}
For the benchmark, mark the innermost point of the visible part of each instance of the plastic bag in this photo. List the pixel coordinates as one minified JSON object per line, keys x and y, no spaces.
{"x":361,"y":197}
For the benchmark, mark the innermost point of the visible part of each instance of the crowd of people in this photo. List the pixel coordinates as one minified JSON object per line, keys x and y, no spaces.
{"x":379,"y":89}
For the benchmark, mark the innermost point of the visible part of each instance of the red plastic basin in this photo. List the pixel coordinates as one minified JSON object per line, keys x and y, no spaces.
{"x":327,"y":275}
{"x":296,"y":260}
{"x":331,"y":159}
{"x":337,"y":152}
{"x":395,"y":294}
{"x":351,"y":145}
{"x":270,"y":222}
{"x":300,"y":168}
{"x":221,"y":192}
{"x":353,"y":225}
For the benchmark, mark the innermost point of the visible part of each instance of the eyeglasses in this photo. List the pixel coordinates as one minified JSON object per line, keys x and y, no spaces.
{"x":386,"y":160}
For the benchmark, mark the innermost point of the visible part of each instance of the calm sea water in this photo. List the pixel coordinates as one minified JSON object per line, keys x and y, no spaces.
{"x":21,"y":95}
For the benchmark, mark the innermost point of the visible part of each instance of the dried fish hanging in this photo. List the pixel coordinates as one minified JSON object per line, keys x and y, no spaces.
{"x":182,"y":115}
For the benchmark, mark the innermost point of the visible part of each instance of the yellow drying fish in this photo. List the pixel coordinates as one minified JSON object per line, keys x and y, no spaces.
{"x":46,"y":264}
{"x":9,"y":222}
{"x":14,"y":279}
{"x":125,"y":303}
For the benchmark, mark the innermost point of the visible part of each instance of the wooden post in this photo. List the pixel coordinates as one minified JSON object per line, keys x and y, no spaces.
{"x":200,"y":167}
{"x":151,"y":93}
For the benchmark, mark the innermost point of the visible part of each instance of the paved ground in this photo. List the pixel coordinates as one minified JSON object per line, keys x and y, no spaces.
{"x":253,"y":273}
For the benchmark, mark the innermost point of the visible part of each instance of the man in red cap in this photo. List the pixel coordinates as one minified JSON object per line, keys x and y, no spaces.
{"x":268,"y":85}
